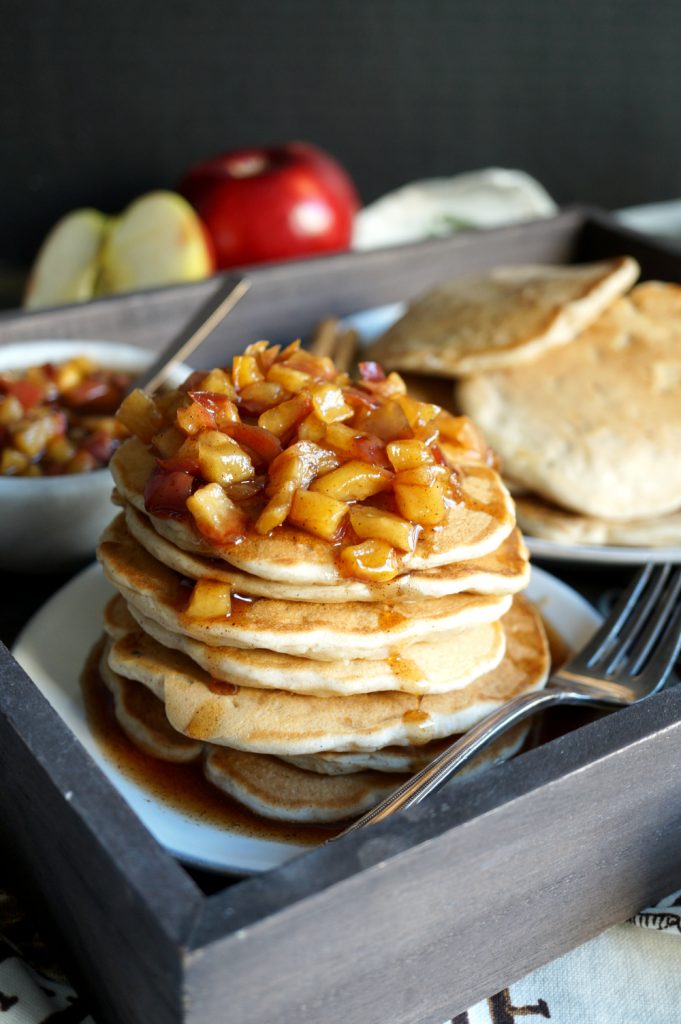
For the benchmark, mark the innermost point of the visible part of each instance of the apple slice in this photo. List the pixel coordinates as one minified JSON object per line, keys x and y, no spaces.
{"x":67,"y":265}
{"x":158,"y":240}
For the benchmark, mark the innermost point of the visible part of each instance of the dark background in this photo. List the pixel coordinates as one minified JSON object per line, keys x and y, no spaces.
{"x":102,"y":101}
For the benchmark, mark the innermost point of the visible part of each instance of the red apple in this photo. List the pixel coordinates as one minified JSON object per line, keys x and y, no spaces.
{"x":275,"y":203}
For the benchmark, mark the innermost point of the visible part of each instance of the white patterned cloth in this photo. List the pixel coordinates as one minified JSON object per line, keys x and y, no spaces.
{"x":627,"y":975}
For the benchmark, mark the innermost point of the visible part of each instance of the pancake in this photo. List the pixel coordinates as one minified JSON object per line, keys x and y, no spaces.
{"x":313,"y":788}
{"x":142,"y":718}
{"x":472,"y":528}
{"x":433,"y":667}
{"x":265,"y":784}
{"x":541,"y":519}
{"x":274,"y":789}
{"x":503,"y":317}
{"x":325,"y":632}
{"x":278,"y":722}
{"x":504,"y":571}
{"x":595,"y":427}
{"x":408,"y":759}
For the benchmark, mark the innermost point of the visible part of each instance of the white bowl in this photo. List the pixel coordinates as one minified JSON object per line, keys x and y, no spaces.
{"x":51,"y":523}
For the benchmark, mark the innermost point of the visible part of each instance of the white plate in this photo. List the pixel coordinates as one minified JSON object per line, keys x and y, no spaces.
{"x":53,"y":648}
{"x":370,"y":323}
{"x":599,"y":554}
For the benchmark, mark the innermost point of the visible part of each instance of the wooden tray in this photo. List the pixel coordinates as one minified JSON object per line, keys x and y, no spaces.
{"x":413,"y":920}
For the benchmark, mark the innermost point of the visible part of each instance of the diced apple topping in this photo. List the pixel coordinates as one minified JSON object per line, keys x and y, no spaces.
{"x":261,"y":396}
{"x":409,"y":454}
{"x":294,"y":469}
{"x":373,"y":560}
{"x":329,"y":404}
{"x":166,"y":493}
{"x":194,"y":417}
{"x":418,"y":413}
{"x":262,"y":445}
{"x":285,"y":417}
{"x":218,"y":518}
{"x":377,"y":524}
{"x":219,"y":405}
{"x":221,"y":460}
{"x":168,"y":442}
{"x":139,"y":415}
{"x":210,"y":599}
{"x":318,"y":513}
{"x":353,"y":481}
{"x":312,"y":429}
{"x":245,"y":371}
{"x":420,"y":495}
{"x":293,"y":381}
{"x":219,"y":382}
{"x":281,"y":437}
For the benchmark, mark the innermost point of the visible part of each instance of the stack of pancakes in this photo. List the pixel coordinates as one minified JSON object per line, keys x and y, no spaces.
{"x":318,"y":691}
{"x":576,"y":385}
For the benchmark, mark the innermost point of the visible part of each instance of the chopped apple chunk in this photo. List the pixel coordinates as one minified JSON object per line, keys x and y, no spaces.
{"x":168,"y":442}
{"x":389,"y":422}
{"x":378,"y":524}
{"x":219,"y":382}
{"x":329,"y":404}
{"x":210,"y":599}
{"x":353,"y":444}
{"x":245,"y":371}
{"x":221,"y":459}
{"x":261,"y":396}
{"x":353,"y":481}
{"x":192,"y":417}
{"x":139,"y":415}
{"x":312,"y":429}
{"x":283,"y":419}
{"x":263,"y":445}
{"x":299,"y":465}
{"x":373,"y":560}
{"x":319,"y":367}
{"x":420,"y":494}
{"x":275,"y":511}
{"x":221,"y":407}
{"x":168,"y":402}
{"x":409,"y":454}
{"x":317,"y":513}
{"x":293,"y":381}
{"x":216,"y":517}
{"x":418,"y":413}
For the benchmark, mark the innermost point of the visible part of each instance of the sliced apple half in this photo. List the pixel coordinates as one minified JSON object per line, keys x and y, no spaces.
{"x":159,"y":239}
{"x":67,"y":265}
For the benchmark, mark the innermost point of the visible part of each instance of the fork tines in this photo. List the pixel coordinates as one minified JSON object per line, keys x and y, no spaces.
{"x":644,"y":631}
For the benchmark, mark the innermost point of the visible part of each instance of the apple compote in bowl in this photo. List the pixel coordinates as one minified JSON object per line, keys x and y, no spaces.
{"x":57,"y":434}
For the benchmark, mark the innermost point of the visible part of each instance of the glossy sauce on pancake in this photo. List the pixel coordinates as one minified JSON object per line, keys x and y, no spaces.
{"x":325,"y":632}
{"x":278,"y":722}
{"x":431,"y":667}
{"x":502,"y":571}
{"x":473,"y":528}
{"x":181,"y":786}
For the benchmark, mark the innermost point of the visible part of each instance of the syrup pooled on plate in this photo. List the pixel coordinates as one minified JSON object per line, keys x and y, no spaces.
{"x":182,"y":786}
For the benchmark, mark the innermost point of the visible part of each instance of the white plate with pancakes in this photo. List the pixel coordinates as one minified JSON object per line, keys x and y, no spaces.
{"x":54,"y":647}
{"x":567,"y":531}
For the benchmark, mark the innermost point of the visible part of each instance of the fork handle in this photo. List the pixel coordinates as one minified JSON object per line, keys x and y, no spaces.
{"x":479,"y":736}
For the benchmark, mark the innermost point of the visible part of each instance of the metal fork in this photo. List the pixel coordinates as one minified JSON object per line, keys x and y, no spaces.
{"x":628,"y":659}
